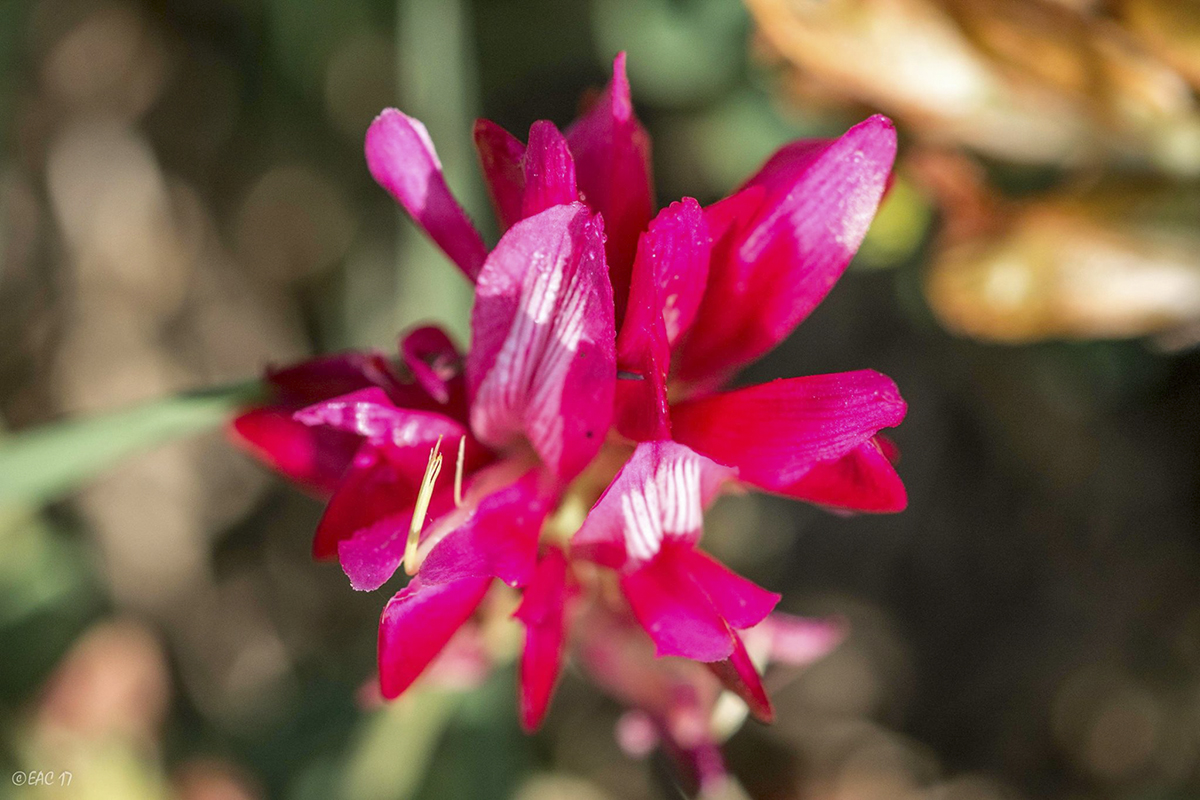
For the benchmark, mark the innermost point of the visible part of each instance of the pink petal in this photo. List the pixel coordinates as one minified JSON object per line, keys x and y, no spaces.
{"x":675,"y":611}
{"x":738,"y":674}
{"x":371,"y":556}
{"x":499,"y":539}
{"x":612,"y":163}
{"x":862,"y":480}
{"x":619,"y":658}
{"x":667,"y":283}
{"x":799,"y":641}
{"x":417,"y":623}
{"x":466,"y":660}
{"x":658,"y":496}
{"x":371,"y":414}
{"x":371,"y":534}
{"x":643,"y":360}
{"x":549,"y":170}
{"x":637,"y":733}
{"x":329,"y":376}
{"x":402,"y":160}
{"x":542,"y":611}
{"x":776,"y":432}
{"x":500,"y":156}
{"x":542,"y":364}
{"x":783,"y":241}
{"x":742,"y":603}
{"x":373,"y":488}
{"x":315,"y":458}
{"x":679,"y":246}
{"x":436,"y":365}
{"x":375,"y":551}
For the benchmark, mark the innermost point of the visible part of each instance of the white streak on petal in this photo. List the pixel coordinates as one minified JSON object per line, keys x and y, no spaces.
{"x":523,"y":391}
{"x":667,"y":504}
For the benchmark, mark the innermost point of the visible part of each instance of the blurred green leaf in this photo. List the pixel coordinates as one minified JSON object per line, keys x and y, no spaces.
{"x":483,"y":755}
{"x":304,"y":34}
{"x":437,"y":83}
{"x":679,"y":52}
{"x":39,"y":465}
{"x":396,"y":745}
{"x":38,"y":570}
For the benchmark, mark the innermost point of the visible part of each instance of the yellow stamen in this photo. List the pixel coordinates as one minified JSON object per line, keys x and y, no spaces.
{"x":421,"y":509}
{"x":458,"y":472}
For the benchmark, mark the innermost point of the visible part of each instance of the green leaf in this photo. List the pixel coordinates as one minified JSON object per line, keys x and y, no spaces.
{"x":41,"y":464}
{"x":398,"y":743}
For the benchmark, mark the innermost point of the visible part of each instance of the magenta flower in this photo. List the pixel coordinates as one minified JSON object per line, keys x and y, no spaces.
{"x":600,"y":336}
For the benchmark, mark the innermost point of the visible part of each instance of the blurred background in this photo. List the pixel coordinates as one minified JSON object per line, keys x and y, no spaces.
{"x":183,"y":200}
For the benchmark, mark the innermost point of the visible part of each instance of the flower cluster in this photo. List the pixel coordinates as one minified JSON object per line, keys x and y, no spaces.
{"x":586,"y":424}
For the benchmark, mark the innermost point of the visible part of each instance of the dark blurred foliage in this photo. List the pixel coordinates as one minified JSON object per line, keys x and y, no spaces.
{"x":184,"y":200}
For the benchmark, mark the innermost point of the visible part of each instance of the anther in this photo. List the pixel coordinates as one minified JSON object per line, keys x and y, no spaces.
{"x":458,"y":471}
{"x":421,"y":509}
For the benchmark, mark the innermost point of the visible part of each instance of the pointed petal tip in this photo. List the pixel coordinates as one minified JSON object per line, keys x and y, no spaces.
{"x":739,"y":675}
{"x":483,"y":127}
{"x":896,"y":501}
{"x":877,"y":134}
{"x":543,"y":612}
{"x":402,"y":159}
{"x":378,"y":130}
{"x":878,"y":121}
{"x":620,"y":76}
{"x":862,"y":481}
{"x":549,"y":170}
{"x":783,"y":240}
{"x":417,"y":623}
{"x":777,"y":432}
{"x":530,"y":719}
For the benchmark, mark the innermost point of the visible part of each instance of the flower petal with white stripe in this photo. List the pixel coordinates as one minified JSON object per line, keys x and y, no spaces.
{"x":542,"y":362}
{"x":658,"y":496}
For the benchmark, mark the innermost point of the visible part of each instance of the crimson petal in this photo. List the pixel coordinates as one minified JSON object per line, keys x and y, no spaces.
{"x":739,"y":675}
{"x":776,"y":432}
{"x":862,"y":480}
{"x":741,"y":602}
{"x":659,"y":496}
{"x":612,"y":162}
{"x":675,"y":611}
{"x":549,"y":170}
{"x":542,"y":610}
{"x":542,"y":361}
{"x":666,"y":286}
{"x":373,"y":487}
{"x":499,"y":539}
{"x":402,"y":160}
{"x":500,"y":156}
{"x":782,"y":241}
{"x":371,"y":414}
{"x":328,"y":376}
{"x":315,"y":458}
{"x":417,"y":623}
{"x":436,"y":365}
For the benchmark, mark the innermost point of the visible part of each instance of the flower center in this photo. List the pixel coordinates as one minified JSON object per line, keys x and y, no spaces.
{"x":585,"y":490}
